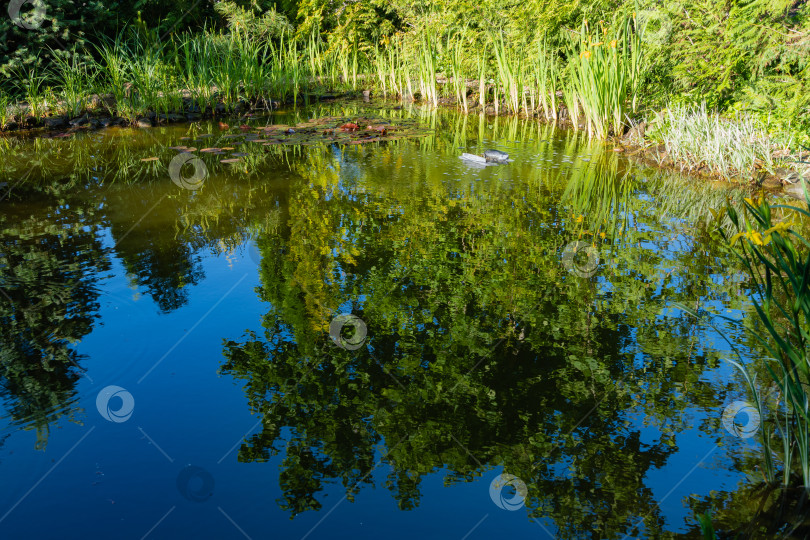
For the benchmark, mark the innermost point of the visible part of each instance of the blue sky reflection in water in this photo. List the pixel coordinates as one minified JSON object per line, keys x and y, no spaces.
{"x":168,"y":369}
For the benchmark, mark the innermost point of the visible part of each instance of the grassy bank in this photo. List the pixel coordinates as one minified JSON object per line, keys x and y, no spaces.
{"x":598,"y":77}
{"x":697,"y":141}
{"x":598,"y":69}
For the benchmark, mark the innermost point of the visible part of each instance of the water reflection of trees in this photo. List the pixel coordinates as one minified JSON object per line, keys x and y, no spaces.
{"x":154,"y":257}
{"x":54,"y":256}
{"x":48,"y":302}
{"x":482,"y":350}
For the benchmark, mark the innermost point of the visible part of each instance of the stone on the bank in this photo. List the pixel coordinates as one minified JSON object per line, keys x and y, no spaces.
{"x":55,"y":122}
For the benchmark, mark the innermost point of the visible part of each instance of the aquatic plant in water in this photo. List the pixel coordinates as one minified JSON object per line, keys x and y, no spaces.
{"x":776,"y":257}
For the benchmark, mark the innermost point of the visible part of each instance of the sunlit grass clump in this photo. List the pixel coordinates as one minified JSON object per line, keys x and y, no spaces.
{"x":730,"y":147}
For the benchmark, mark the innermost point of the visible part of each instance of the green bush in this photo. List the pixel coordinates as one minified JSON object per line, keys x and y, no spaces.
{"x":62,"y":27}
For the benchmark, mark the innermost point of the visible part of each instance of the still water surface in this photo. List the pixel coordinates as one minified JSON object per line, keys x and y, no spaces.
{"x":168,"y":369}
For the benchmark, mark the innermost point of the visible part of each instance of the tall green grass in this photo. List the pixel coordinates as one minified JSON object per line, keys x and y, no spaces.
{"x":456,"y":44}
{"x":545,"y":74}
{"x":76,"y":81}
{"x":114,"y":64}
{"x":604,"y":68}
{"x":30,"y":83}
{"x":211,"y":71}
{"x":509,"y":62}
{"x":6,"y":109}
{"x":426,"y":67}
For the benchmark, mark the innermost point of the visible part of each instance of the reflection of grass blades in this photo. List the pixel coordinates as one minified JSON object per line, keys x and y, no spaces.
{"x":597,"y":191}
{"x":692,"y":201}
{"x":777,"y":258}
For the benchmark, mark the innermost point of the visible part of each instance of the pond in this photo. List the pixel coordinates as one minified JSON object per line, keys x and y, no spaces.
{"x":334,"y":340}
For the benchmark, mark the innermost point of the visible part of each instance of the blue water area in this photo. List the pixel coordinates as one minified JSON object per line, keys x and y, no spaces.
{"x":327,"y":340}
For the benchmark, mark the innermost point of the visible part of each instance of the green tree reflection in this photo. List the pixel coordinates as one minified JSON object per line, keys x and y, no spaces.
{"x":48,"y":303}
{"x":483,"y":350}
